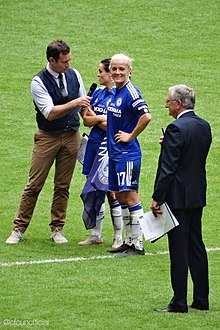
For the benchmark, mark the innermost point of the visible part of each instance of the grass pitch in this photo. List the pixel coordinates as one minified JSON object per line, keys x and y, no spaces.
{"x":45,"y":286}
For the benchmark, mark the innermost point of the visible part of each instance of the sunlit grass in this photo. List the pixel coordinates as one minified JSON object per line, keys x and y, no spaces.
{"x":171,"y":42}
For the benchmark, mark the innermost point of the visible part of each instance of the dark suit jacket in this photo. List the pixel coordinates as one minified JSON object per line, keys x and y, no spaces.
{"x":181,"y":173}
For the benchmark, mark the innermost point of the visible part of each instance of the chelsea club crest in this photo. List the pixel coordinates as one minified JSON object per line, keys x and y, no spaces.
{"x":103,"y":172}
{"x":119,"y":102}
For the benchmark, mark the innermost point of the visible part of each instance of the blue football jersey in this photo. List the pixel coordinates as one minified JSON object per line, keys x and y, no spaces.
{"x":99,"y":99}
{"x":99,"y":102}
{"x":124,"y":110}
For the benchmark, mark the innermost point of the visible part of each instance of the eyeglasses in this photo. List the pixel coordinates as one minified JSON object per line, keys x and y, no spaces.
{"x":169,"y":100}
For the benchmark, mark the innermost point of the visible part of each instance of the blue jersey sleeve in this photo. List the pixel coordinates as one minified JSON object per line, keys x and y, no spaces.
{"x":95,"y":95}
{"x":137,"y":102}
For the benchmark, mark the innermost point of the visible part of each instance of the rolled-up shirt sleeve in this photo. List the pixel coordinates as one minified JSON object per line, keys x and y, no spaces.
{"x":41,"y":96}
{"x":43,"y":99}
{"x":82,"y":91}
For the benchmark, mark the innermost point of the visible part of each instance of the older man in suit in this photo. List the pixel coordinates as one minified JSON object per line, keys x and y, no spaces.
{"x":181,"y":182}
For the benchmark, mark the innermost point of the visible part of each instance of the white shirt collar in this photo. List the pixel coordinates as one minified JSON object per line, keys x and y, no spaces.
{"x":182,"y":113}
{"x":53,"y":73}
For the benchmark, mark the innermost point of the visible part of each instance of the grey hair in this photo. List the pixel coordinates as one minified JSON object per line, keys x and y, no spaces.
{"x":122,"y":57}
{"x":185,"y":94}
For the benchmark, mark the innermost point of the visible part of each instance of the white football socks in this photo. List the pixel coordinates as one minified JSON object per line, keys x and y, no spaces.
{"x":97,"y":230}
{"x":126,"y":222}
{"x":136,"y":230}
{"x":116,"y":216}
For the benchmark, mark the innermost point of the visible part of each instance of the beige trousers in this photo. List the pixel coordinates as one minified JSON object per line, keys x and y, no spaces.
{"x":49,"y":148}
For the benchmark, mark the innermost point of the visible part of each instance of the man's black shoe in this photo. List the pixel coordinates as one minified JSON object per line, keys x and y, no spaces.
{"x":200,"y":307}
{"x":169,"y":309}
{"x":131,"y":251}
{"x":121,"y":248}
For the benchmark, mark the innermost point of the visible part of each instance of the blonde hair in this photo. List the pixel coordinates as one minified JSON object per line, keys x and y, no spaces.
{"x":122,"y":57}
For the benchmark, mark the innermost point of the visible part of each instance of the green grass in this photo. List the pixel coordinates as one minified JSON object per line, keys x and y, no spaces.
{"x":171,"y":42}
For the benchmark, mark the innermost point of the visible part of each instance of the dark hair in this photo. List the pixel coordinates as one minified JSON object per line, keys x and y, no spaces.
{"x":55,"y":48}
{"x":106,"y":64}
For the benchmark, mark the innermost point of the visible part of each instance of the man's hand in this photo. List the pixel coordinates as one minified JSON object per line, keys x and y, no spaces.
{"x":83,"y":101}
{"x":161,"y":139}
{"x":155,"y":207}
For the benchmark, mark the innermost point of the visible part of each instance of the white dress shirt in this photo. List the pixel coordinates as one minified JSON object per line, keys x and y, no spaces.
{"x":41,"y":96}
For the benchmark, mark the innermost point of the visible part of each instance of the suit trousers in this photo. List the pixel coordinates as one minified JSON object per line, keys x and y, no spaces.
{"x":187,"y":252}
{"x":49,"y":148}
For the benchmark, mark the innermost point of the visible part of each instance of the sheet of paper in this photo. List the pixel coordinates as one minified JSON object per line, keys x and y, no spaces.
{"x":155,"y":227}
{"x":82,"y":148}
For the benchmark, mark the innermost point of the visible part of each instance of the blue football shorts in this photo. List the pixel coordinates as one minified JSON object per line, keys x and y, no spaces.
{"x":124,"y":175}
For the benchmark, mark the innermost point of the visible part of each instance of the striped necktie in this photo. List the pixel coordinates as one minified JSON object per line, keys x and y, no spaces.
{"x":62,"y":88}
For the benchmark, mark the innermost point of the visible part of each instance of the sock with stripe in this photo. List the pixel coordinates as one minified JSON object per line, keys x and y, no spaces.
{"x":116,"y":216}
{"x":126,"y":223}
{"x":97,"y":230}
{"x":136,"y":212}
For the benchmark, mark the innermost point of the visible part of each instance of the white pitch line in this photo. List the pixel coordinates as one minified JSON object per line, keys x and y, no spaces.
{"x":47,"y":261}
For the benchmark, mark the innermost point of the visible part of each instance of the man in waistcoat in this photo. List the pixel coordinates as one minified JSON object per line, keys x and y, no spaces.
{"x":58,"y":94}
